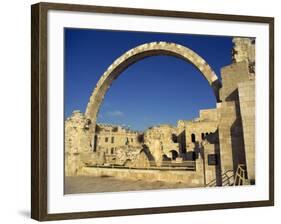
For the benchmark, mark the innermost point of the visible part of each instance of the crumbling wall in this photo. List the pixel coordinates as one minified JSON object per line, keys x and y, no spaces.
{"x":112,"y":136}
{"x":77,"y":142}
{"x":244,"y":50}
{"x":160,"y":142}
{"x":196,"y":130}
{"x":116,"y":145}
{"x":142,"y":160}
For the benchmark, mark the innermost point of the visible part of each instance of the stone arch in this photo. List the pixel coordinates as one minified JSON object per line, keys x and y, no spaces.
{"x":139,"y":53}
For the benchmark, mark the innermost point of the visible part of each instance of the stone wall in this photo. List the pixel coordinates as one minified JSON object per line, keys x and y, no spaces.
{"x":228,"y":117}
{"x":142,"y":160}
{"x":196,"y":130}
{"x":244,"y":50}
{"x":231,"y":76}
{"x":77,"y":141}
{"x":112,"y":136}
{"x":116,"y":144}
{"x":208,"y":115}
{"x":160,"y":142}
{"x":247,"y":105}
{"x":190,"y":177}
{"x":231,"y":126}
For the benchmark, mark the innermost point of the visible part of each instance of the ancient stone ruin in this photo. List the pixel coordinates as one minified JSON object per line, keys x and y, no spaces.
{"x":215,"y":149}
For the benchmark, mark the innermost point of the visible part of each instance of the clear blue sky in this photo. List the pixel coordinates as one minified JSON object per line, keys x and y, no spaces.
{"x":155,"y":90}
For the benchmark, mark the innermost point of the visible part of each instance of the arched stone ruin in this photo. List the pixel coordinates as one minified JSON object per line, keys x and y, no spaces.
{"x":138,"y":53}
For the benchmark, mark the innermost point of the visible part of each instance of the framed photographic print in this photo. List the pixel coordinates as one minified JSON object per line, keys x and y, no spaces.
{"x":139,"y":111}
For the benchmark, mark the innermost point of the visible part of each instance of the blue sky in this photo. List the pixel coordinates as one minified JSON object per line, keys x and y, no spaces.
{"x":155,"y":90}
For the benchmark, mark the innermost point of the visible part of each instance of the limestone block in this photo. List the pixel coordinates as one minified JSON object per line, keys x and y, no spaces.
{"x":247,"y":105}
{"x":232,"y":75}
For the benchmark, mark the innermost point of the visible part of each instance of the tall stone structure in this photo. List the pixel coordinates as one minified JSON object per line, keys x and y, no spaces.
{"x":247,"y":106}
{"x":237,"y":94}
{"x":77,"y":142}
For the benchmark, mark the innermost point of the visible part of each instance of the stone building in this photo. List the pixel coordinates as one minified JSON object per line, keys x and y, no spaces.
{"x":220,"y":143}
{"x":161,"y":142}
{"x":116,"y":144}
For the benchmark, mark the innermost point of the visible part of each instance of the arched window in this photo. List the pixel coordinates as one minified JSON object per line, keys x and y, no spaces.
{"x":202,"y":136}
{"x":174,"y":138}
{"x":174,"y":154}
{"x":193,"y":138}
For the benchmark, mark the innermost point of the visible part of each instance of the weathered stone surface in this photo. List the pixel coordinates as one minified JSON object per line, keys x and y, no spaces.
{"x":247,"y":105}
{"x":233,"y":139}
{"x":77,"y":142}
{"x":116,"y":144}
{"x":190,"y":177}
{"x":231,"y":76}
{"x":244,"y":50}
{"x":160,"y":142}
{"x":228,"y":117}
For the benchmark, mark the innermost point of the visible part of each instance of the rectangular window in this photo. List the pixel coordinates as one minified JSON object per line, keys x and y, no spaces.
{"x":106,"y":139}
{"x":112,"y":139}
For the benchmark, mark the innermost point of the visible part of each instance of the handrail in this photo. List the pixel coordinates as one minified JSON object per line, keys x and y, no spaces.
{"x":238,"y":178}
{"x":225,"y":178}
{"x":188,"y":165}
{"x":173,"y":164}
{"x":240,"y":175}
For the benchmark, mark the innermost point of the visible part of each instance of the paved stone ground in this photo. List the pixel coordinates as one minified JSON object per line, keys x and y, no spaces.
{"x":90,"y":184}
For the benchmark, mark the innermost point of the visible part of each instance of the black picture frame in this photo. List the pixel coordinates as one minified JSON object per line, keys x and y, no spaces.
{"x":39,"y":105}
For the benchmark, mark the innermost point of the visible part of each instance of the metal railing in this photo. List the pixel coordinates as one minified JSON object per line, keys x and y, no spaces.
{"x":173,"y":165}
{"x":227,"y":179}
{"x":165,"y":165}
{"x":240,"y":175}
{"x":231,"y":179}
